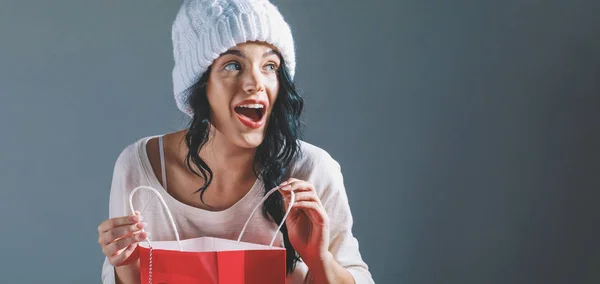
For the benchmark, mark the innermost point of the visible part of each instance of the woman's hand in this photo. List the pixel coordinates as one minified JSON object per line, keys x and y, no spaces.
{"x":119,"y":237}
{"x":307,"y":223}
{"x":308,"y":231}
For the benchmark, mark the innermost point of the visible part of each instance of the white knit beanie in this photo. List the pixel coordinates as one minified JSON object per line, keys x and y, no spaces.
{"x":204,"y":29}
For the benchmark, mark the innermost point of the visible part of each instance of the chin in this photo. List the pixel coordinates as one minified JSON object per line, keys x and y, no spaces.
{"x":250,"y":140}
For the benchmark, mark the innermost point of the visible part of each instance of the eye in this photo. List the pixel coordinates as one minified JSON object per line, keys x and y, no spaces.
{"x":271,"y":67}
{"x":232,"y":66}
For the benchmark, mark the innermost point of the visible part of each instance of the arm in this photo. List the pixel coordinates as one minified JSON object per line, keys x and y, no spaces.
{"x":126,"y":268}
{"x":320,"y":226}
{"x":345,"y":264}
{"x":128,"y":273}
{"x":328,"y":270}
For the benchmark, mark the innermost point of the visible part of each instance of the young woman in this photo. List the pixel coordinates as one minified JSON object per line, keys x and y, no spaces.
{"x":233,"y":75}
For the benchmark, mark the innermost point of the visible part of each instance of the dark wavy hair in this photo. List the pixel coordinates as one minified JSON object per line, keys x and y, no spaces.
{"x":274,"y":155}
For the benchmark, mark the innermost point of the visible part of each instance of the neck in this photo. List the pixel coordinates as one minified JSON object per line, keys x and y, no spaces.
{"x":229,"y":163}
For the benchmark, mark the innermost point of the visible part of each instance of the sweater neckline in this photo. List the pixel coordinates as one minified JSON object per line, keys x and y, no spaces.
{"x":248,"y":200}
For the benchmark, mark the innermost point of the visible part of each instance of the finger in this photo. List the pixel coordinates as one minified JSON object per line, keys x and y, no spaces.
{"x":120,"y":232}
{"x":120,"y":257}
{"x":113,"y":248}
{"x":117,"y":222}
{"x":305,"y":196}
{"x":314,"y":211}
{"x":298,"y":185}
{"x":288,"y":181}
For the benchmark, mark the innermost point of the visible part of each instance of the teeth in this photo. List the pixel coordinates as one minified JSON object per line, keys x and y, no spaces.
{"x":251,"y":106}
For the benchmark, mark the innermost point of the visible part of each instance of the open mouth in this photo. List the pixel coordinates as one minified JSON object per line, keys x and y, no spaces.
{"x":253,"y":112}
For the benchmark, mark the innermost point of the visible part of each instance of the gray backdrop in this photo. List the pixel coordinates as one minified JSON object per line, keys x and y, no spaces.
{"x":468,"y":131}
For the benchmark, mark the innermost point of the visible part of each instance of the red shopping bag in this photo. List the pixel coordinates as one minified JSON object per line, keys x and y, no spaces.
{"x":211,"y":260}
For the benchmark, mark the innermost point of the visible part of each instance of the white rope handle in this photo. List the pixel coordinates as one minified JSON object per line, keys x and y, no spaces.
{"x":258,"y":206}
{"x":163,"y":204}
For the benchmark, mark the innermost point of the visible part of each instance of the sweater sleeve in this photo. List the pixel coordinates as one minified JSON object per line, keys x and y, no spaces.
{"x":121,"y":180}
{"x":343,"y":245}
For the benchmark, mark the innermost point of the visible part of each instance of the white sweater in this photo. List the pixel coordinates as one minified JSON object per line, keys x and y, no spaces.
{"x":315,"y":165}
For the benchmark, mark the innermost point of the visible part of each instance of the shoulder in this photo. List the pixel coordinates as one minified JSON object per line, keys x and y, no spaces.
{"x":130,"y":156}
{"x":318,"y":167}
{"x":312,"y":158}
{"x":129,"y":172}
{"x":130,"y":167}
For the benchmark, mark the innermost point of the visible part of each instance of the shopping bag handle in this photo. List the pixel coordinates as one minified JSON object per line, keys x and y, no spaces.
{"x":258,"y":206}
{"x":165,"y":207}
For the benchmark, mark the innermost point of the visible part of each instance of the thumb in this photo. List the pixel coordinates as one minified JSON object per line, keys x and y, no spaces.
{"x":132,"y":254}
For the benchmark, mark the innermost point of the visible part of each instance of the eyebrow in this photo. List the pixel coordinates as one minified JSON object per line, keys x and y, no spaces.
{"x":270,"y":52}
{"x":243,"y":55}
{"x":234,"y":52}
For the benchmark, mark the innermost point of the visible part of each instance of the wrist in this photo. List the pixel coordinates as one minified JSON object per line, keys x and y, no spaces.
{"x":320,"y":267}
{"x":128,"y":273}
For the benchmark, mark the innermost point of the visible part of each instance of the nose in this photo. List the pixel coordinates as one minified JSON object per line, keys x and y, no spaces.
{"x":253,"y":81}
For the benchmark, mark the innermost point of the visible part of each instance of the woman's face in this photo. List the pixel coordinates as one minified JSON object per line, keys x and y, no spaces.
{"x":241,"y":90}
